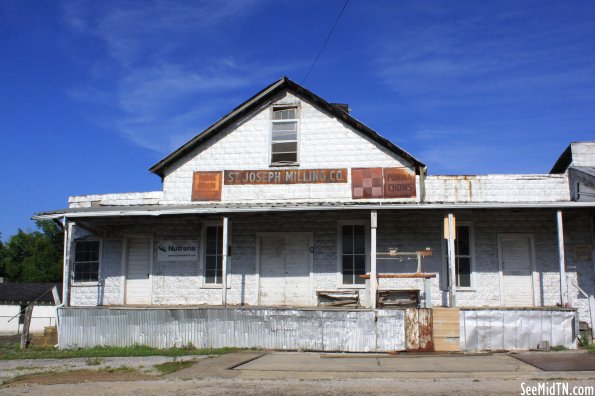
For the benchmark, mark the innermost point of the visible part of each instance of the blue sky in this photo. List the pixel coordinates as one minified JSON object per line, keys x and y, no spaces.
{"x":94,"y":92}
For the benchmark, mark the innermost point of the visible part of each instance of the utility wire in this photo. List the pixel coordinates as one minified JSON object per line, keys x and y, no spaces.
{"x":325,"y":41}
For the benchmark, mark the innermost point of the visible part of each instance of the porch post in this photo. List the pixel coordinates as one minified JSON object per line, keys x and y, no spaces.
{"x":224,"y":263}
{"x":69,"y":229}
{"x":373,"y":273}
{"x":563,"y":284}
{"x":452,"y":273}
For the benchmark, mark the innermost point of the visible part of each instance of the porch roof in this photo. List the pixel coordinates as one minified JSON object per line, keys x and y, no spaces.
{"x":214,"y":208}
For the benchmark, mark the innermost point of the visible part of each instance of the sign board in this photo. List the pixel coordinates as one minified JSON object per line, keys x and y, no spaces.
{"x":582,"y":253}
{"x":206,"y":186}
{"x":399,"y":183}
{"x":285,"y":176}
{"x":382,"y":183}
{"x":177,"y":250}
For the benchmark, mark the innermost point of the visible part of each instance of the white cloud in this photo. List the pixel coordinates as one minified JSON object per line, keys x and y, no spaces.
{"x":157,"y":75}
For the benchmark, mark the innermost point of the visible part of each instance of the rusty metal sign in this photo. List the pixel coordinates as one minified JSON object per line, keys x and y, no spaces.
{"x":399,"y":183}
{"x":206,"y":186}
{"x":285,"y":176}
{"x":382,"y":183}
{"x":366,"y":183}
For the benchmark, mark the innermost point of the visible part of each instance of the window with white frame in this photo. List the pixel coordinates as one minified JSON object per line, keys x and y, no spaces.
{"x":213,"y":255}
{"x":86,"y":261}
{"x":463,"y":256}
{"x":284,"y":136}
{"x":353,"y":253}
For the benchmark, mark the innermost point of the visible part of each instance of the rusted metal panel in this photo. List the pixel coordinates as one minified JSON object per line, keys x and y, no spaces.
{"x":367,"y":183}
{"x":206,"y":186}
{"x":418,"y":330}
{"x":426,"y":341}
{"x":285,"y":176}
{"x":399,"y":183}
{"x":411,"y":329}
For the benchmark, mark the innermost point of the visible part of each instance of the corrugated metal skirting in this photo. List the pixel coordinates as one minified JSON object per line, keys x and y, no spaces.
{"x":492,"y":329}
{"x":281,"y":329}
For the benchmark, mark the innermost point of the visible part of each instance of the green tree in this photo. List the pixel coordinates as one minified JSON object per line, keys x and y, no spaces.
{"x":34,"y":256}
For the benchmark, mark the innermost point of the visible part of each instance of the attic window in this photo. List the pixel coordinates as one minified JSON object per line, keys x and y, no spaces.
{"x":284,"y":136}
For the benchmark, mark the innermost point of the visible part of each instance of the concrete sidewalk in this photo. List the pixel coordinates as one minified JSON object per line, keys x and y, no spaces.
{"x":305,"y":365}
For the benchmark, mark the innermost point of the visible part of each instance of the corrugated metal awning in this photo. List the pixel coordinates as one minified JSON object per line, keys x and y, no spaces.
{"x":215,"y":208}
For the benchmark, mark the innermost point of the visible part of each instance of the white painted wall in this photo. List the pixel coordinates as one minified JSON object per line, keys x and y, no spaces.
{"x":42,"y":316}
{"x":324,"y":142}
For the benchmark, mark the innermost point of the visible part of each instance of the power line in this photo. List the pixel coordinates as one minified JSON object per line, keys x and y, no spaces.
{"x":325,"y":41}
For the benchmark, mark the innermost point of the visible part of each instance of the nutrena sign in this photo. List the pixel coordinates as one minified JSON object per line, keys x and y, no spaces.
{"x":177,"y":250}
{"x":366,"y":183}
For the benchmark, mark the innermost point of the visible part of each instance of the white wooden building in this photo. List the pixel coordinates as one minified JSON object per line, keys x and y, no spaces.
{"x":288,"y":200}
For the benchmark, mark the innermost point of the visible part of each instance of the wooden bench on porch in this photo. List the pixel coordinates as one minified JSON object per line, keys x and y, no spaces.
{"x":338,"y":298}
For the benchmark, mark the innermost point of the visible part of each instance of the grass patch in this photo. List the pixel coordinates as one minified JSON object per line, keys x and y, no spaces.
{"x":590,"y":348}
{"x":172,"y":367}
{"x":558,"y":348}
{"x":12,"y":352}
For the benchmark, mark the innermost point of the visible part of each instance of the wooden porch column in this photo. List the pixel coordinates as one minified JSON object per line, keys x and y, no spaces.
{"x":69,"y":230}
{"x":224,"y":262}
{"x":452,"y":273}
{"x":373,"y":272}
{"x":563,"y":283}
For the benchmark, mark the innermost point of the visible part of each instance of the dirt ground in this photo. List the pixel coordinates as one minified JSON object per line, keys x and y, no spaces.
{"x":242,"y":387}
{"x":262,"y":373}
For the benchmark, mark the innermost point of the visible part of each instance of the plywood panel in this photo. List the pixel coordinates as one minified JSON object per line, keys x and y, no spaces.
{"x":446,"y":329}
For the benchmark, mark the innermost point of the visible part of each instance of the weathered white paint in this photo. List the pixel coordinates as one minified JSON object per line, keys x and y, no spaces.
{"x":516,"y":270}
{"x":285,"y":269}
{"x":42,"y":316}
{"x":138,"y":269}
{"x":224,"y":261}
{"x":452,"y":271}
{"x":496,"y":188}
{"x":373,"y":267}
{"x":324,"y":142}
{"x":562,"y":260}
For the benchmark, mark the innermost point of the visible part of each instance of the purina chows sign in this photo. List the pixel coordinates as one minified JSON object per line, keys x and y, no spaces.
{"x":177,"y":250}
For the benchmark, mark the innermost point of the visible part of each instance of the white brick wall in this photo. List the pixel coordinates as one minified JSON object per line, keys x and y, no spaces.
{"x":324,"y":142}
{"x":180,"y":283}
{"x":497,"y":188}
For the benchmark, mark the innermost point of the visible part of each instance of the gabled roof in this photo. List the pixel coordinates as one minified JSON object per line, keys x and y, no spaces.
{"x":261,"y":97}
{"x":563,"y":161}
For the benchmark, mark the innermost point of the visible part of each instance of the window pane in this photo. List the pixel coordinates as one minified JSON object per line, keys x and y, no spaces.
{"x":359,"y":264}
{"x":86,"y":261}
{"x":464,"y":272}
{"x":347,"y":263}
{"x":462,"y":241}
{"x":284,"y":114}
{"x":285,"y":147}
{"x":347,"y":241}
{"x":281,"y":136}
{"x":359,"y":239}
{"x":286,"y":157}
{"x":213,"y":240}
{"x":285,"y":126}
{"x":347,"y":278}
